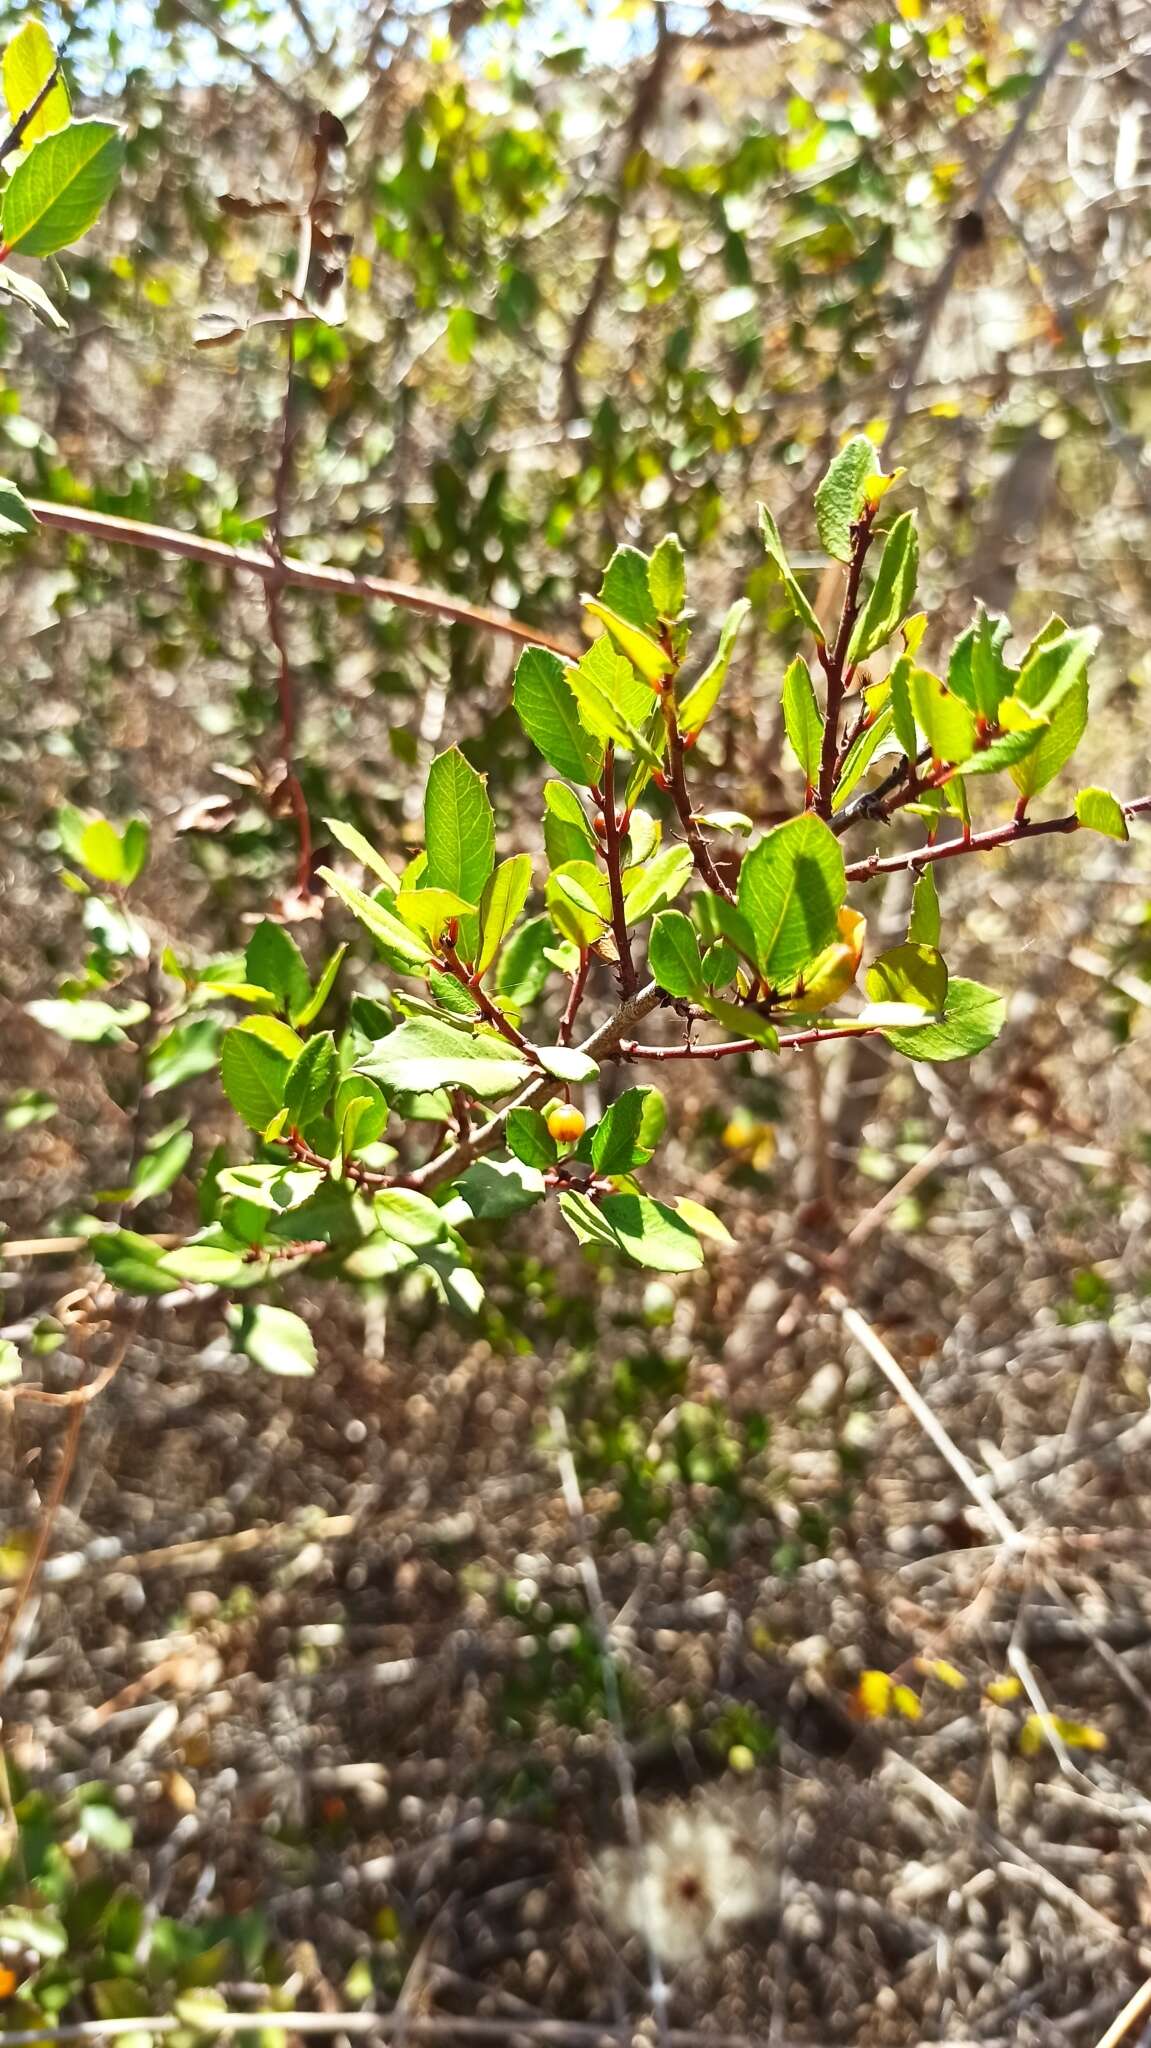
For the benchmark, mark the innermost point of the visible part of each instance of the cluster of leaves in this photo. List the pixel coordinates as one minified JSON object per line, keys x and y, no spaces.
{"x":470,"y":1041}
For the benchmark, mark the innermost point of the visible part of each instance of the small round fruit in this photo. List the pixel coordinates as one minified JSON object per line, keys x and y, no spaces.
{"x":566,"y":1124}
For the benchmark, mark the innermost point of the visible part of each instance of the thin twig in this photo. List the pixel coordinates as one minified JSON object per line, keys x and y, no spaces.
{"x":977,"y":842}
{"x":613,"y":861}
{"x":22,"y":123}
{"x":1138,"y":2004}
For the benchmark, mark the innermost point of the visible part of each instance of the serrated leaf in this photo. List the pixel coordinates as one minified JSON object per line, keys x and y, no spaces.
{"x":498,"y":1188}
{"x":59,"y":189}
{"x":362,"y":850}
{"x":1056,"y":743}
{"x":425,"y":1053}
{"x":647,"y":1232}
{"x":529,"y":1138}
{"x":673,"y":956}
{"x":625,"y":589}
{"x":612,"y":701}
{"x":840,"y":496}
{"x":272,"y":960}
{"x":657,"y":883}
{"x":567,"y":833}
{"x":459,"y":829}
{"x":946,"y":722}
{"x":281,"y":1343}
{"x":504,"y":897}
{"x":666,"y":580}
{"x":431,"y":911}
{"x":255,"y":1059}
{"x":790,"y":888}
{"x":701,"y":699}
{"x":652,"y":661}
{"x":924,"y":923}
{"x":547,"y":709}
{"x":628,"y":1131}
{"x":29,"y":62}
{"x":803,"y":719}
{"x":778,"y":558}
{"x":892,"y":592}
{"x":973,"y":1019}
{"x":400,"y":946}
{"x":1099,"y":811}
{"x":579,"y":902}
{"x":310,"y":1010}
{"x":309,"y":1080}
{"x":872,"y":741}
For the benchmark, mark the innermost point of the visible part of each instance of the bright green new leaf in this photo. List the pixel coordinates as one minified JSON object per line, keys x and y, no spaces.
{"x":255,"y":1059}
{"x":1099,"y":811}
{"x":360,"y":1113}
{"x":612,"y":701}
{"x":29,"y":62}
{"x":504,"y":897}
{"x":924,"y":924}
{"x":973,"y":1018}
{"x":839,"y":498}
{"x":278,"y":1341}
{"x":132,"y":1263}
{"x":409,"y":1217}
{"x":977,"y":670}
{"x":875,"y":739}
{"x":703,"y":696}
{"x":946,"y":722}
{"x":803,"y":719}
{"x":1053,"y":665}
{"x":362,"y":850}
{"x":101,"y":851}
{"x":567,"y":833}
{"x":530,"y":1139}
{"x":657,"y":883}
{"x":702,"y":1220}
{"x":628,"y":1131}
{"x":88,"y":1021}
{"x":59,"y":189}
{"x":892,"y":592}
{"x":567,"y":1062}
{"x":666,"y":580}
{"x":278,"y":1187}
{"x":16,"y":516}
{"x":778,"y":559}
{"x":626,"y":589}
{"x":524,"y":966}
{"x":425,"y":1053}
{"x":40,"y":1932}
{"x":647,"y":1232}
{"x":902,"y":715}
{"x":579,"y":901}
{"x":1056,"y":743}
{"x":742,"y":1023}
{"x":547,"y":709}
{"x":910,"y":973}
{"x":401,"y":947}
{"x":673,"y":954}
{"x":790,"y":888}
{"x":645,"y":654}
{"x":161,"y":1167}
{"x":431,"y":911}
{"x":459,"y":829}
{"x":309,"y":1011}
{"x":309,"y":1082}
{"x":272,"y":960}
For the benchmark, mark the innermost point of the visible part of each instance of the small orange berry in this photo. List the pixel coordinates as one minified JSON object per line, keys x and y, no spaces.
{"x":566,"y":1124}
{"x":599,"y":825}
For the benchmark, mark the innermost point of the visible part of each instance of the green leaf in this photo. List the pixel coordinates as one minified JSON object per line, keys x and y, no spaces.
{"x":41,"y":1932}
{"x":187,"y":1050}
{"x":891,"y":594}
{"x":973,"y":1018}
{"x":567,"y":833}
{"x":872,"y":741}
{"x":275,"y":1339}
{"x":135,"y":844}
{"x":803,"y":719}
{"x":977,"y":671}
{"x":159,"y":1168}
{"x":652,"y":661}
{"x":545,"y":701}
{"x":790,"y":887}
{"x":703,"y":696}
{"x":702,"y":1220}
{"x":646,"y":1232}
{"x":666,"y":581}
{"x":495,"y":1189}
{"x":15,"y":515}
{"x":101,"y":851}
{"x":255,"y":1059}
{"x":924,"y":924}
{"x":1099,"y":811}
{"x":275,"y":1186}
{"x":362,"y":850}
{"x":673,"y":954}
{"x":10,"y":1367}
{"x":309,"y":1080}
{"x":29,"y":62}
{"x":839,"y":498}
{"x":401,"y":948}
{"x":625,"y":589}
{"x":902,"y":715}
{"x":272,"y":960}
{"x":131,"y":1263}
{"x":59,"y":189}
{"x":523,"y":966}
{"x":657,"y":883}
{"x":459,"y":829}
{"x":426,"y":1053}
{"x":945,"y":720}
{"x":1053,"y":665}
{"x":501,"y":903}
{"x":310,"y":1010}
{"x":529,"y":1138}
{"x":628,"y":1131}
{"x":742,"y":1022}
{"x":409,"y":1217}
{"x":87,"y":1021}
{"x":431,"y":911}
{"x":360,"y":1113}
{"x":778,"y":558}
{"x":1057,"y":742}
{"x":567,"y":1062}
{"x":613,"y":703}
{"x":579,"y":902}
{"x":910,"y":973}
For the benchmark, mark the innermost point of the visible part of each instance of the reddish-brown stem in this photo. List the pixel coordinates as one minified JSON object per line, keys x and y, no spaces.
{"x":791,"y":1041}
{"x":613,"y":861}
{"x":20,"y":126}
{"x":977,"y":842}
{"x":489,"y":1011}
{"x":835,"y":663}
{"x":575,"y":998}
{"x":705,"y":866}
